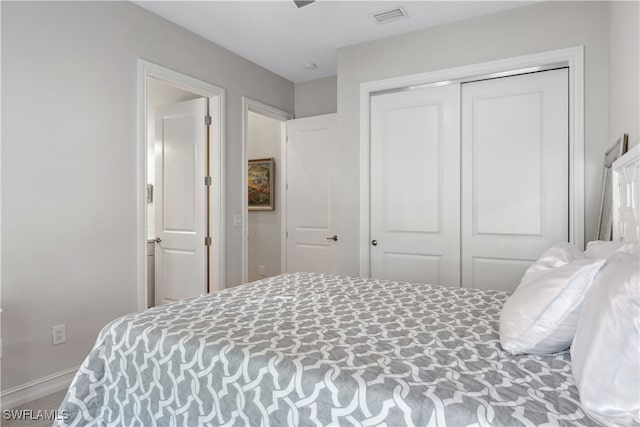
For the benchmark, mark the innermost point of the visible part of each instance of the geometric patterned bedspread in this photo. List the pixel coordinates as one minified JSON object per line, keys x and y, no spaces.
{"x":312,"y":349}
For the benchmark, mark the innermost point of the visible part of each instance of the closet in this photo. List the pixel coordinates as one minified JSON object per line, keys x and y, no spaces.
{"x":469,"y":180}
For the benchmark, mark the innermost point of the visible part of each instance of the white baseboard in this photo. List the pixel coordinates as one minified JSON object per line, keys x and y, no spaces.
{"x":36,"y":389}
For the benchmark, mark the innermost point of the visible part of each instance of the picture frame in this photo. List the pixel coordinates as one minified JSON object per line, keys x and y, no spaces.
{"x":261,"y":182}
{"x":605,"y":219}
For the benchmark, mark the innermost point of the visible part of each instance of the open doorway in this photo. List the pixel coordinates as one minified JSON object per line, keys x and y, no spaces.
{"x":181,"y":173}
{"x":264,"y":151}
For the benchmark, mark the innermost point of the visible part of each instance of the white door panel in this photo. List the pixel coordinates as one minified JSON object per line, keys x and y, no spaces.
{"x":502,"y":274}
{"x":314,"y":258}
{"x":310,"y":194}
{"x":415,"y":180}
{"x":408,"y":267}
{"x":181,"y":137}
{"x":514,"y":175}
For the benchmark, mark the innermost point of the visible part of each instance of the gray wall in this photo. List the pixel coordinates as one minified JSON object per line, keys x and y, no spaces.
{"x":525,"y":30}
{"x":69,"y":166}
{"x":624,"y":72}
{"x":316,"y":97}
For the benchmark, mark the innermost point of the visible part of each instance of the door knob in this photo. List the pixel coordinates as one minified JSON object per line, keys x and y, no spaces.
{"x":157,"y":240}
{"x":334,"y":238}
{"x":374,"y":242}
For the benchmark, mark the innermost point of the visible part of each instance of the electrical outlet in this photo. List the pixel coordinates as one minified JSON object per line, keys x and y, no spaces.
{"x":262,"y":271}
{"x":59,"y":334}
{"x":237,"y":220}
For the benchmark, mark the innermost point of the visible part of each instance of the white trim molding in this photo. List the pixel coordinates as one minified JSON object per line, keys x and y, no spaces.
{"x":36,"y":389}
{"x":216,"y":97}
{"x":263,"y":109}
{"x":573,"y":58}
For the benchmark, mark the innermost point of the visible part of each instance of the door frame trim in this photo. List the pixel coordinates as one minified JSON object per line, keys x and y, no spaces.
{"x":216,"y":96}
{"x":250,"y":104}
{"x":573,"y":58}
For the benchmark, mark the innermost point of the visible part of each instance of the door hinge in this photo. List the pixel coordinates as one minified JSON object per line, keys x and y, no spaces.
{"x":207,"y":180}
{"x":207,"y":120}
{"x":207,"y":241}
{"x":287,"y":185}
{"x":287,"y":138}
{"x":287,"y":234}
{"x":149,"y":193}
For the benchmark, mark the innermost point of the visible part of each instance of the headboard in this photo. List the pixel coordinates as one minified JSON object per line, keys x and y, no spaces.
{"x":626,"y":196}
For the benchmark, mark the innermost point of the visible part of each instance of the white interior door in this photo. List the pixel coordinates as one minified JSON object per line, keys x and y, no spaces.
{"x":310,"y":190}
{"x":180,"y":166}
{"x":415,"y":185}
{"x":515,"y":175}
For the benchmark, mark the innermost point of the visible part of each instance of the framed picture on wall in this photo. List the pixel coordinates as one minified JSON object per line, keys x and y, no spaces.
{"x":261,"y":181}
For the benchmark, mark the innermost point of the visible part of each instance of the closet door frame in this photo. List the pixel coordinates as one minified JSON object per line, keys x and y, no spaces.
{"x":573,"y":58}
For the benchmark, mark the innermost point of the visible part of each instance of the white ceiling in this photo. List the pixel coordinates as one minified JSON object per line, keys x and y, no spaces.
{"x":282,"y":38}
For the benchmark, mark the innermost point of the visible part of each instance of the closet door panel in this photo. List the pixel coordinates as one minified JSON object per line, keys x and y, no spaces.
{"x":415,"y":195}
{"x":511,"y":149}
{"x":409,"y":267}
{"x":411,"y":147}
{"x":515,"y":175}
{"x":498,"y":273}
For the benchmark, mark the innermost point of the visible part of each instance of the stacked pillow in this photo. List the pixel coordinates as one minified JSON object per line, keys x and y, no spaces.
{"x":541,"y":316}
{"x":569,"y":296}
{"x":605,"y":353}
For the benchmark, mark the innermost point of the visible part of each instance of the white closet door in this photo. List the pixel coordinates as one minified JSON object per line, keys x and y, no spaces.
{"x":311,"y":184}
{"x":415,"y":185}
{"x":515,"y":175}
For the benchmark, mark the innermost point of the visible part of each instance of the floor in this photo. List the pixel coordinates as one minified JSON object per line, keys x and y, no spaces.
{"x":46,"y":403}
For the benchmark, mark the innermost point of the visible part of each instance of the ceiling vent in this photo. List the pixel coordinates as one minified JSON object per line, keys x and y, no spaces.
{"x":390,"y":15}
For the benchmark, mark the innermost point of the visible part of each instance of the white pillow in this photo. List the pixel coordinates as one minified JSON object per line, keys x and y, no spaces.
{"x":605,"y":352}
{"x":602,"y":249}
{"x":541,"y":316}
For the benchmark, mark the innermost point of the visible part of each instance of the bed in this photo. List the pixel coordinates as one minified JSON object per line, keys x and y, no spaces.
{"x":313,"y":349}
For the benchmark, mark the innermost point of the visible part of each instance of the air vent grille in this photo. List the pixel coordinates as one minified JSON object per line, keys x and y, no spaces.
{"x":390,"y":15}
